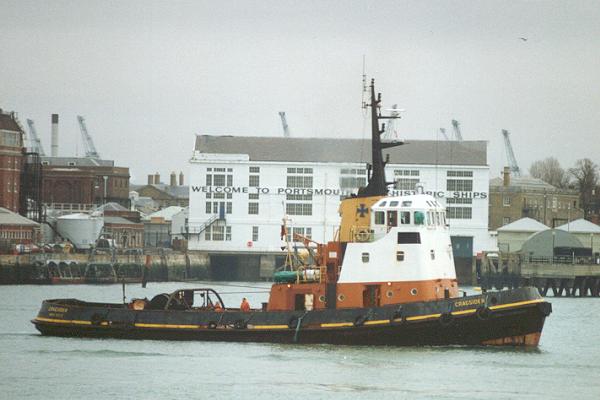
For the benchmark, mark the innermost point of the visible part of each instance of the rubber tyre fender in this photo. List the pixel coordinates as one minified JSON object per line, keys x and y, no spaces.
{"x":398,"y":315}
{"x":96,"y":319}
{"x":483,"y":313}
{"x":360,"y":320}
{"x":240,"y":324}
{"x":212,"y":325}
{"x":446,"y":319}
{"x":293,"y":323}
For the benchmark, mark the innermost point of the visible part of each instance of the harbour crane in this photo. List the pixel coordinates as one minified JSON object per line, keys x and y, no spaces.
{"x":456,"y":127}
{"x":510,"y":155}
{"x":88,"y":143}
{"x":36,"y":143}
{"x":286,"y":128}
{"x":443,"y":132}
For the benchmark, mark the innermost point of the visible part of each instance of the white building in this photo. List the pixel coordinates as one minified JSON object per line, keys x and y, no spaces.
{"x":242,"y":187}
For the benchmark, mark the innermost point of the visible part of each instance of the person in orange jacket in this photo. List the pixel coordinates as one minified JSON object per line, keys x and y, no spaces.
{"x":218,"y":307}
{"x":245,"y":306}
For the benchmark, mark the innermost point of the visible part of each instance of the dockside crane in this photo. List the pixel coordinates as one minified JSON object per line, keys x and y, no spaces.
{"x":443,"y":132}
{"x":88,"y":143}
{"x":456,"y":127}
{"x":510,"y":155}
{"x":36,"y":143}
{"x":286,"y":128}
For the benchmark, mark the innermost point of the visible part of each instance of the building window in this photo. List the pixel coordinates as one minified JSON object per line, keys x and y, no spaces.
{"x":254,"y":181}
{"x":506,"y":201}
{"x":352,"y":178}
{"x":406,"y":172}
{"x":365,"y":257}
{"x":253,"y":208}
{"x":459,"y":185}
{"x":459,"y":212}
{"x":255,"y":233}
{"x":252,"y":196}
{"x":505,"y":220}
{"x":460,"y":174}
{"x":254,"y":170}
{"x":405,"y":184}
{"x":221,"y":179}
{"x":306,"y":232}
{"x":218,"y":233}
{"x":459,"y":200}
{"x":298,"y":209}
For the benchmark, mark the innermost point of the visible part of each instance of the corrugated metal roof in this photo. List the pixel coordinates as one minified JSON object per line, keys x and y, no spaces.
{"x":8,"y":217}
{"x":344,"y":150}
{"x":524,"y":225}
{"x":580,"y":226}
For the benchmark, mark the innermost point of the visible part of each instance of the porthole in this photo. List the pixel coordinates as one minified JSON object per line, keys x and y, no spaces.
{"x":389,"y":293}
{"x":322,"y":299}
{"x":341,"y":297}
{"x":414,"y":291}
{"x":399,"y":256}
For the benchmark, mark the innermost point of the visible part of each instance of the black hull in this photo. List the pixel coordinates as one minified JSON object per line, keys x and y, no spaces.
{"x":519,"y":320}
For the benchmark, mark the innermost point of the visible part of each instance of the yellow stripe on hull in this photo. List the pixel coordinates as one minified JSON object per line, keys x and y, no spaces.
{"x":63,"y":321}
{"x":520,"y":303}
{"x":167,"y":326}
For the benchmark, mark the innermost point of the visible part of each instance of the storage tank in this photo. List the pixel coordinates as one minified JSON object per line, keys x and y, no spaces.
{"x":80,"y":229}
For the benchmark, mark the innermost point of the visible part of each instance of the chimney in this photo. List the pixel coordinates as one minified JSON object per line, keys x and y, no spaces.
{"x":156,"y":178}
{"x":180,"y":178}
{"x":173,"y":180}
{"x":150,"y":179}
{"x":54,"y":138}
{"x":506,"y":175}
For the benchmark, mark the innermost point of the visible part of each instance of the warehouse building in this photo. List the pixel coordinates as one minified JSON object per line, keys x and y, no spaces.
{"x":242,"y":187}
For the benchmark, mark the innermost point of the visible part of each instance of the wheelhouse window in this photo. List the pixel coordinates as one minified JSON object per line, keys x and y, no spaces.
{"x":392,"y":217}
{"x":365,"y":257}
{"x":405,"y":217}
{"x":379,"y":218}
{"x":419,"y":218}
{"x":393,"y":204}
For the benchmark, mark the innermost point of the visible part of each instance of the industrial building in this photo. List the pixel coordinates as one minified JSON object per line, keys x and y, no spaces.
{"x":16,"y":230}
{"x":164,"y":195}
{"x":242,"y":187}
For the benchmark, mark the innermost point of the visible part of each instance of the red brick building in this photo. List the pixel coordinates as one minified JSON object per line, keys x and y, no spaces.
{"x":78,"y":183}
{"x":11,"y":160}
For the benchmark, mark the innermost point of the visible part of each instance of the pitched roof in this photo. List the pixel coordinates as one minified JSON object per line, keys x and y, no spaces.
{"x":166,"y":213}
{"x":77,"y":162}
{"x":8,"y":217}
{"x":111,"y":206}
{"x":525,"y":182}
{"x":580,"y":226}
{"x":119,"y":220}
{"x":344,"y":150}
{"x":524,"y":225}
{"x":180,"y":192}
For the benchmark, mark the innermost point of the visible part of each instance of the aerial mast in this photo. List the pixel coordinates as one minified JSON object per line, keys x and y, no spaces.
{"x":88,"y":143}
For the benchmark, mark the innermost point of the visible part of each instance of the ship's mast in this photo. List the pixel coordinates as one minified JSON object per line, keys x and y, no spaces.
{"x":377,"y":185}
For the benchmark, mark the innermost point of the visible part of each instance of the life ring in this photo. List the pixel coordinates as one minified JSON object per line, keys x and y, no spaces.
{"x":360,"y":320}
{"x":362,"y":235}
{"x":293,"y":323}
{"x":446,"y":319}
{"x":483,"y":313}
{"x":212,"y":325}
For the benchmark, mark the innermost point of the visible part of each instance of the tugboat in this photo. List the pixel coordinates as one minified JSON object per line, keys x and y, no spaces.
{"x":387,"y":278}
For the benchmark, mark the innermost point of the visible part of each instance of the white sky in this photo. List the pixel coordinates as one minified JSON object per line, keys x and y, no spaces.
{"x":149,"y":75}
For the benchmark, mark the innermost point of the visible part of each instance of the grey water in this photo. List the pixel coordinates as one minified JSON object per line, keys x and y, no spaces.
{"x":565,"y":365}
